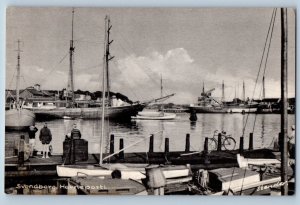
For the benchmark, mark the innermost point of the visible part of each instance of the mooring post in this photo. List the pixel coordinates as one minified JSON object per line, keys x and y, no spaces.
{"x":219,"y":142}
{"x":112,"y":144}
{"x":241,"y":145}
{"x":206,"y":145}
{"x":72,"y":152}
{"x":166,"y":145}
{"x":187,"y":143}
{"x":121,"y":146}
{"x":21,"y":151}
{"x":151,"y":143}
{"x":251,"y":141}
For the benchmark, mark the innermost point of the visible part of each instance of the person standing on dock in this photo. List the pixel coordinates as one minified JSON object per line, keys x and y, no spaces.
{"x":45,"y":138}
{"x":291,"y":142}
{"x":31,"y":132}
{"x":75,"y":133}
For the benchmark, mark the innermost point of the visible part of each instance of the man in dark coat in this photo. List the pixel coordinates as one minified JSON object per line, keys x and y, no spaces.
{"x":45,"y":138}
{"x":31,"y":132}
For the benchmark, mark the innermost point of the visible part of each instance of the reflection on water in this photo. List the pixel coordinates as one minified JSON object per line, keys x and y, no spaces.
{"x":266,"y":128}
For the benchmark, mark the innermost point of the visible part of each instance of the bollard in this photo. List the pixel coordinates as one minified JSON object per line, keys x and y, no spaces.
{"x":241,"y":145}
{"x":187,"y":143}
{"x":219,"y":142}
{"x":72,"y":151}
{"x":251,"y":141}
{"x":166,"y":145}
{"x":121,"y":146}
{"x":206,"y":145}
{"x":151,"y":142}
{"x":21,"y":151}
{"x":112,"y":144}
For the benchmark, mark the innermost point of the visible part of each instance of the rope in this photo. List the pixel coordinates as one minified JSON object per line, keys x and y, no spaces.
{"x":43,"y":80}
{"x":271,"y":25}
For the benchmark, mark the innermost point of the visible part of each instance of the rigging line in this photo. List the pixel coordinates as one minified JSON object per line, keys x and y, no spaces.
{"x":270,"y":41}
{"x":265,"y":65}
{"x":263,"y":54}
{"x":43,"y":80}
{"x":9,"y":84}
{"x":130,"y":88}
{"x":151,"y":78}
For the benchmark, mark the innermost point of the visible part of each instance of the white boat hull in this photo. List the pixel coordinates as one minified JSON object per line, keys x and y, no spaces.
{"x":245,"y":162}
{"x":137,"y":173}
{"x":154,"y":116}
{"x":19,"y":119}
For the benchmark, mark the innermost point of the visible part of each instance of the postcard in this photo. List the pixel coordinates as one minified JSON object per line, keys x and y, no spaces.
{"x":150,"y":101}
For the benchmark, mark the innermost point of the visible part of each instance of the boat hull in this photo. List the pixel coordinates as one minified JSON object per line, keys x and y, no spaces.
{"x":204,"y":109}
{"x":136,"y":173}
{"x":18,"y":119}
{"x":154,"y":116}
{"x":117,"y":113}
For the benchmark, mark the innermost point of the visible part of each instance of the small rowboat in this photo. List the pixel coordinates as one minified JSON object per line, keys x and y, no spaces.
{"x":154,"y":116}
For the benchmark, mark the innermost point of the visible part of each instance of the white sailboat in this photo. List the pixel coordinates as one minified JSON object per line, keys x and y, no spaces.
{"x":128,"y":171}
{"x":155,"y":115}
{"x":18,"y":118}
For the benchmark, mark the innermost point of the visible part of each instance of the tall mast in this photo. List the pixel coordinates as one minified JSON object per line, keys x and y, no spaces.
{"x":223,"y":91}
{"x":264,"y":89}
{"x":18,"y":75}
{"x":244,"y":96}
{"x":72,"y":61}
{"x":161,"y":86}
{"x":203,"y":88}
{"x":284,"y":122}
{"x":107,"y":56}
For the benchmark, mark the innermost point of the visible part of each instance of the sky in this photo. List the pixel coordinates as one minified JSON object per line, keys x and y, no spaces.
{"x":186,"y":46}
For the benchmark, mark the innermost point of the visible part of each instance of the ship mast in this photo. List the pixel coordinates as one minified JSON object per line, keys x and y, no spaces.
{"x":108,"y":57}
{"x":72,"y":48}
{"x":244,"y":97}
{"x":161,"y":86}
{"x":264,"y":89}
{"x":284,"y":121}
{"x":18,"y":76}
{"x":223,"y":91}
{"x":105,"y":81}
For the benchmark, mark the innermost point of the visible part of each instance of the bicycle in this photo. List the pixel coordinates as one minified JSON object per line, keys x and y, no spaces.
{"x":227,"y":141}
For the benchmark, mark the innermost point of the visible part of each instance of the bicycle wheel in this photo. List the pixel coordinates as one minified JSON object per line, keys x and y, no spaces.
{"x":229,"y":143}
{"x":212,"y":144}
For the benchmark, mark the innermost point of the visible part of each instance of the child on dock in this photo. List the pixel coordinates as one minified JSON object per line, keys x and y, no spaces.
{"x":45,"y":138}
{"x":75,"y":133}
{"x":31,"y":132}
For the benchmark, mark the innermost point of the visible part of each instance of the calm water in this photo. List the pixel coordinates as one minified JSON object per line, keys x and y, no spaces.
{"x":267,"y":127}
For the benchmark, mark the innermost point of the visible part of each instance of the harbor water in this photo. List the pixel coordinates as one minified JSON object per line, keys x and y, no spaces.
{"x":264,"y":126}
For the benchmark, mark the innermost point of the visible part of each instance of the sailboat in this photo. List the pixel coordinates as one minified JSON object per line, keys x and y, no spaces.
{"x":155,"y":115}
{"x":113,"y":110}
{"x":127,"y":171}
{"x":18,"y":118}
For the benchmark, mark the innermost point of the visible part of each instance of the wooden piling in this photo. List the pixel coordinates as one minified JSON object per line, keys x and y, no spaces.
{"x":112,"y":144}
{"x":167,"y":145}
{"x":206,"y":145}
{"x":121,"y":146}
{"x":251,"y":141}
{"x":219,"y":142}
{"x":72,"y":152}
{"x":187,"y":143}
{"x":151,"y":143}
{"x":241,"y":150}
{"x":21,"y":151}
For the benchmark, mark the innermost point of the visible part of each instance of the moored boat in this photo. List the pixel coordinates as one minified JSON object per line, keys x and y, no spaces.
{"x":18,"y":118}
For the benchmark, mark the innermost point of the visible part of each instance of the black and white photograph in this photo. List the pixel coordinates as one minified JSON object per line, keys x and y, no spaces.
{"x":150,"y":101}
